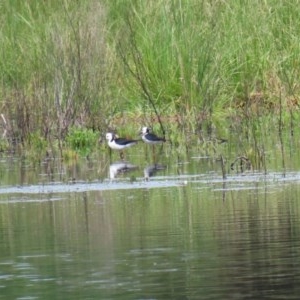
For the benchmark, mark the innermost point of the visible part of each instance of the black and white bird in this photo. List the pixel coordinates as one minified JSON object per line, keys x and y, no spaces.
{"x":117,"y":143}
{"x":151,"y":138}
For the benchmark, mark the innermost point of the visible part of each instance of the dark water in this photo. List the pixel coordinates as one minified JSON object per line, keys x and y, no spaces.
{"x":69,"y":232}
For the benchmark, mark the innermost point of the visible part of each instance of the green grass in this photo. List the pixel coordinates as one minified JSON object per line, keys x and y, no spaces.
{"x":82,"y":141}
{"x":205,"y":63}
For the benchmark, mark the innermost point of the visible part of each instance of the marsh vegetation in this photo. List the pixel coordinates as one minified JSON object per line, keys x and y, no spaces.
{"x":196,"y":71}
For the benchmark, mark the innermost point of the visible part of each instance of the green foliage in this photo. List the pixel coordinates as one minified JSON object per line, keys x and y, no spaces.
{"x":35,"y":148}
{"x":89,"y":62}
{"x":36,"y":142}
{"x":4,"y":145}
{"x":204,"y":60}
{"x":83,"y":141}
{"x":56,"y":66}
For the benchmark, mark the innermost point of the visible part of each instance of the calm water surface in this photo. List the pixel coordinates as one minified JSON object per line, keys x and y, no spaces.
{"x":69,"y":232}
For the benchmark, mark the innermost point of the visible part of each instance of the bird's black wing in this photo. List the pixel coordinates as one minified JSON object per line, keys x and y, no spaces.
{"x":154,"y":138}
{"x":123,"y":141}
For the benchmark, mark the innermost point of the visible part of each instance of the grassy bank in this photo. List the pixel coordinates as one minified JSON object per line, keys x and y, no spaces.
{"x":188,"y":66}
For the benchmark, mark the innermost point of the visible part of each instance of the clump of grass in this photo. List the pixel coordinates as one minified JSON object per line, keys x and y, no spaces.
{"x":81,"y":140}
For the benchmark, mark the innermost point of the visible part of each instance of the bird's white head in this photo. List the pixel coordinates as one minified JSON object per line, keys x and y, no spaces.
{"x":109,"y":136}
{"x":145,"y":130}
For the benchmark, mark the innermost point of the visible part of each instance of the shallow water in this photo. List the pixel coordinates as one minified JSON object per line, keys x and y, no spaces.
{"x":73,"y":232}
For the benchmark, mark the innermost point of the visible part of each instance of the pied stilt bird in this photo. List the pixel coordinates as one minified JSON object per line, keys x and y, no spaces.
{"x":151,"y":138}
{"x":117,"y":143}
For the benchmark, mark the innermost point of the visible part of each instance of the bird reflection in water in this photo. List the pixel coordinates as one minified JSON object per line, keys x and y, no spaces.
{"x":120,"y":167}
{"x":151,"y":170}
